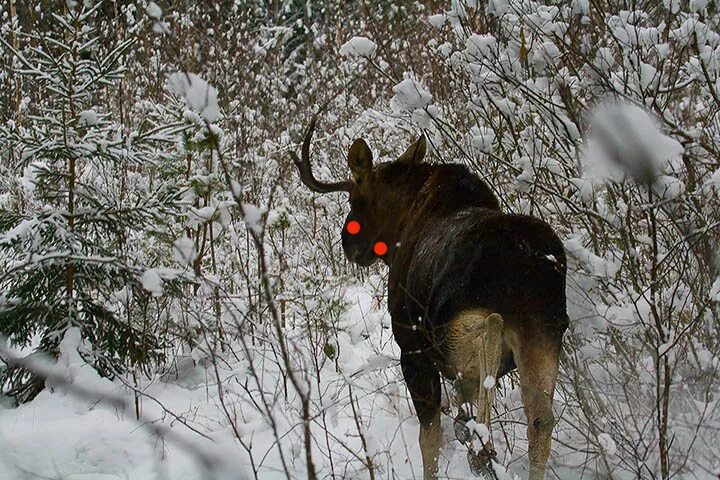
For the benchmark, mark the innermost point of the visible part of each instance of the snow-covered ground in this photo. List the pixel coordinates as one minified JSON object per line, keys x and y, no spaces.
{"x":58,"y":435}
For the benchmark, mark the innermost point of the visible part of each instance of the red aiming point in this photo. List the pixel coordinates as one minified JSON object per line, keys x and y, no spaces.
{"x":380,"y":248}
{"x":353,"y":227}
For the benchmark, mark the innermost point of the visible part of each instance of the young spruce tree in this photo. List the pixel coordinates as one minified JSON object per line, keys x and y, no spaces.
{"x":70,"y":256}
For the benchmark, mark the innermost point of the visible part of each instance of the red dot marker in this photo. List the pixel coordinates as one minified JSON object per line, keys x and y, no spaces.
{"x":380,"y":248}
{"x":353,"y":227}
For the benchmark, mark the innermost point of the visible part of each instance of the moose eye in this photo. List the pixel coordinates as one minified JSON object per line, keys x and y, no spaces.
{"x":380,"y":248}
{"x":353,"y":227}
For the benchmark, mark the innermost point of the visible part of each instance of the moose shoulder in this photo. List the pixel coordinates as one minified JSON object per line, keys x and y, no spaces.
{"x":473,"y":292}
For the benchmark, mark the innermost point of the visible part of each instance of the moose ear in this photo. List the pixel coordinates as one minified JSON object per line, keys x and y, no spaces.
{"x":360,"y":160}
{"x":415,"y":153}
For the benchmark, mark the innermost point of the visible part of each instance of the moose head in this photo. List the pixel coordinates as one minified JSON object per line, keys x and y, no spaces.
{"x":380,"y":197}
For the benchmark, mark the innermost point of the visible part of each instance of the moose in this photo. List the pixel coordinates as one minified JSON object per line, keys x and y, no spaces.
{"x":473,"y":292}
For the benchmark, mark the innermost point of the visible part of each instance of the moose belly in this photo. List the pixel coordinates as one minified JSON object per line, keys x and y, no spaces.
{"x":472,"y":339}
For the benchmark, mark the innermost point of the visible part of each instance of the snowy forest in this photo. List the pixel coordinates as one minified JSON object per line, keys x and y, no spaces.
{"x":176,"y":304}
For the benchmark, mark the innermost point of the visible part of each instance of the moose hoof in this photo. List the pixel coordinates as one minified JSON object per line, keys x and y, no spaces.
{"x":481,"y":463}
{"x":462,"y":432}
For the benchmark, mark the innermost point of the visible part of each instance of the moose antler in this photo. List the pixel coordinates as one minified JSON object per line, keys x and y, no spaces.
{"x":305,"y":169}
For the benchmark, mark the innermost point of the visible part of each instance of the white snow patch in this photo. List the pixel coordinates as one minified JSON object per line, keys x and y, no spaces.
{"x":607,"y":443}
{"x":152,"y":282}
{"x":481,"y":430}
{"x":88,"y":118}
{"x":184,"y":250}
{"x":489,"y":382}
{"x":154,"y":11}
{"x":409,"y":95}
{"x":481,"y":46}
{"x":438,"y":20}
{"x":29,"y":178}
{"x":253,"y":217}
{"x":715,"y":291}
{"x":358,"y":47}
{"x":498,"y":7}
{"x":594,"y":264}
{"x":581,"y":7}
{"x":545,"y":54}
{"x":198,"y":94}
{"x":586,"y":189}
{"x":483,"y":138}
{"x":698,"y":6}
{"x":626,"y":140}
{"x":69,"y":346}
{"x":667,"y":187}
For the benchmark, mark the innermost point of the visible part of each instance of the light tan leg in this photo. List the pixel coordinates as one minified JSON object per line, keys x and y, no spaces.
{"x":537,"y":362}
{"x":475,"y":340}
{"x":430,"y":438}
{"x":490,"y":347}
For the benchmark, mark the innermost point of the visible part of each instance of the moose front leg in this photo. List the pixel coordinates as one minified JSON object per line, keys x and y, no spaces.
{"x":423,"y":381}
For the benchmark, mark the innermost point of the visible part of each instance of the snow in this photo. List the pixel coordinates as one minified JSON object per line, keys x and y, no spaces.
{"x":480,"y":46}
{"x":545,"y":54}
{"x":585,"y":189}
{"x":498,"y":7}
{"x":253,"y":217}
{"x":581,"y":7}
{"x":58,"y":434}
{"x":715,"y":290}
{"x":29,"y":178}
{"x":409,"y":95}
{"x":198,"y":94}
{"x":482,"y":139}
{"x":594,"y":264}
{"x":607,"y":443}
{"x":152,"y":282}
{"x":481,"y":430}
{"x":437,"y":20}
{"x":668,"y":187}
{"x":624,"y":139}
{"x":358,"y":47}
{"x":154,"y":11}
{"x":184,"y":250}
{"x":510,"y":101}
{"x":88,"y":118}
{"x":69,"y":346}
{"x":698,"y":5}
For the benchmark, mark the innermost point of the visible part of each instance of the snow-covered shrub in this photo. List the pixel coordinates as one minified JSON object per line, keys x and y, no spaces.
{"x":640,"y":240}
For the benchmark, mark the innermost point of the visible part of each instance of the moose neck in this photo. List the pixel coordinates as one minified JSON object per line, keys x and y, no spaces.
{"x":432,"y":192}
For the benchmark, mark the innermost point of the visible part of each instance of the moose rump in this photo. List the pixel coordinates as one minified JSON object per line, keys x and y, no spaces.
{"x":484,"y":293}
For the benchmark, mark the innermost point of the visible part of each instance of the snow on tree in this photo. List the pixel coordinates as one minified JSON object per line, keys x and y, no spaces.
{"x":67,"y":261}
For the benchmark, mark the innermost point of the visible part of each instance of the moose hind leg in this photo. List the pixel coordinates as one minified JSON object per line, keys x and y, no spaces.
{"x":475,"y":346}
{"x":537,"y":362}
{"x":489,"y":347}
{"x":423,"y":381}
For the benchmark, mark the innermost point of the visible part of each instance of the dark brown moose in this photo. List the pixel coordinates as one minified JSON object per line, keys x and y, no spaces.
{"x":473,"y":292}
